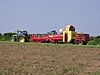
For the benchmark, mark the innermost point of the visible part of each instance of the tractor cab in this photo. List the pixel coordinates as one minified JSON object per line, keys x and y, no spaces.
{"x":22,"y":33}
{"x":52,"y":32}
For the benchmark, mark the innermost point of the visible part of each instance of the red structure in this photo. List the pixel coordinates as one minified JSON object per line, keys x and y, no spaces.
{"x":82,"y":38}
{"x":48,"y":38}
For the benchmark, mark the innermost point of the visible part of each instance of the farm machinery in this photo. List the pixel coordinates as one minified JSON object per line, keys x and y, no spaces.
{"x":49,"y":38}
{"x":23,"y":36}
{"x":20,"y":36}
{"x":68,"y":35}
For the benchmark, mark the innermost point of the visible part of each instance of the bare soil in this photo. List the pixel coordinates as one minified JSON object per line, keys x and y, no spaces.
{"x":42,"y":59}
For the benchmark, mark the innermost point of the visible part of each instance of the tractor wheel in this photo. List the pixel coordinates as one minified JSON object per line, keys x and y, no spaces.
{"x":22,"y":39}
{"x":12,"y":40}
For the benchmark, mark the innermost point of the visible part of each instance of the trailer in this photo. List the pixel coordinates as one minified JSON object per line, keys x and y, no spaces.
{"x":82,"y":38}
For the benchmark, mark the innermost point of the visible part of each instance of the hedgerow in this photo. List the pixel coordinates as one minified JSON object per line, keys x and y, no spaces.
{"x":6,"y":36}
{"x":95,"y":41}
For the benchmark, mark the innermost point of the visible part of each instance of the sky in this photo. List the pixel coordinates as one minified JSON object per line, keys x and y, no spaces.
{"x":41,"y":16}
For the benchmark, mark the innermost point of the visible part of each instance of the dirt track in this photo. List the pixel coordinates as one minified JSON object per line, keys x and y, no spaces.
{"x":39,"y":59}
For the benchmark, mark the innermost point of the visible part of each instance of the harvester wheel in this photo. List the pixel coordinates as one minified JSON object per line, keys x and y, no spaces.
{"x":21,"y":39}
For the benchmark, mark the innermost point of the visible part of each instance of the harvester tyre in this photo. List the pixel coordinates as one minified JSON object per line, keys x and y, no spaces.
{"x":22,"y":39}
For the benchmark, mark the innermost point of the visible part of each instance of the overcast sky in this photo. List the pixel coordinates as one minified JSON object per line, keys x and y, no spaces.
{"x":41,"y":16}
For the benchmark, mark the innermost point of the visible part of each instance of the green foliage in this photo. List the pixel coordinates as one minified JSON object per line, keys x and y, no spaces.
{"x":95,"y":41}
{"x":6,"y":36}
{"x":91,"y":38}
{"x":71,"y":70}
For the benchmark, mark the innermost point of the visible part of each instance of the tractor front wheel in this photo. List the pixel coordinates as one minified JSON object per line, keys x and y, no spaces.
{"x":22,"y":39}
{"x":12,"y":40}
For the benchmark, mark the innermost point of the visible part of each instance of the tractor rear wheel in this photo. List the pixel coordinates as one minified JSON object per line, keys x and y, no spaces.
{"x":22,"y":39}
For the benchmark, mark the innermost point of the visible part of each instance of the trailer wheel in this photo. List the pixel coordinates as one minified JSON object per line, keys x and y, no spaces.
{"x":22,"y":39}
{"x":84,"y":43}
{"x":77,"y":42}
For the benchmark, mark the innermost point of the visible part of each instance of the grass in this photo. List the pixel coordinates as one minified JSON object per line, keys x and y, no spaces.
{"x":95,"y":73}
{"x":50,"y":44}
{"x":72,"y":70}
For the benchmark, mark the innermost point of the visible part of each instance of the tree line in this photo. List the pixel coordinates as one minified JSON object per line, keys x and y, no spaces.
{"x":6,"y":36}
